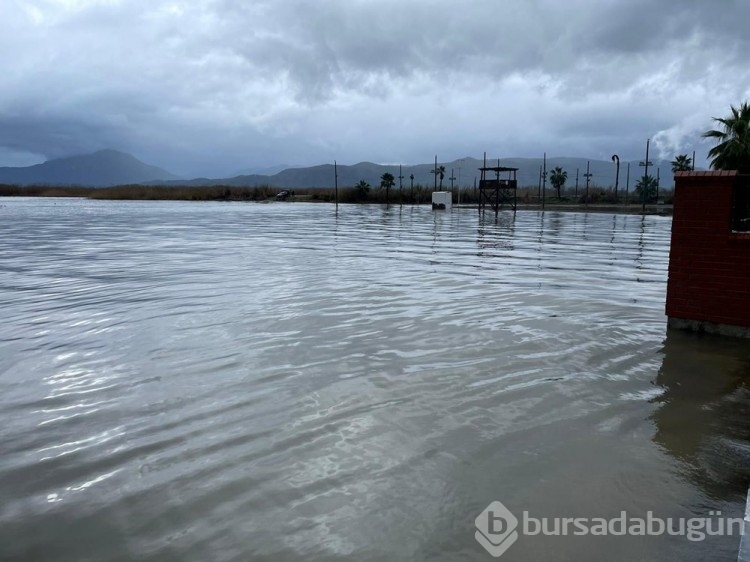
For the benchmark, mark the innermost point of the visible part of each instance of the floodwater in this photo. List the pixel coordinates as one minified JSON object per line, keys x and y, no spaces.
{"x":228,"y":381}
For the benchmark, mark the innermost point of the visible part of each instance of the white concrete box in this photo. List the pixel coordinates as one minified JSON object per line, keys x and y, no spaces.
{"x":442,"y":200}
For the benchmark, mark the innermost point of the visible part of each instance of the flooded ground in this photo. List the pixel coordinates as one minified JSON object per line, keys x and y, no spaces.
{"x":200,"y":381}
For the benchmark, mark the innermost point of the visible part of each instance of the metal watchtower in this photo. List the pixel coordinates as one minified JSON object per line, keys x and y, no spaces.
{"x":497,"y":191}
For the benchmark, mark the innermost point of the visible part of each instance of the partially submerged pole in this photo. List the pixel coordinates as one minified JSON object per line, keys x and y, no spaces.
{"x":539,"y":187}
{"x":336,"y":183}
{"x":627,"y":186}
{"x":435,"y":171}
{"x":658,"y":179}
{"x":400,"y":185}
{"x":644,"y":188}
{"x":544,"y":179}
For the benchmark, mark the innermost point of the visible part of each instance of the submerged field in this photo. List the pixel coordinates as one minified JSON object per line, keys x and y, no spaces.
{"x":625,"y":201}
{"x":184,"y":381}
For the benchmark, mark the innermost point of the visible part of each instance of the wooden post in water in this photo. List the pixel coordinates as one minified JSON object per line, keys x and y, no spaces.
{"x":400,"y":185}
{"x":480,"y":201}
{"x":544,"y":179}
{"x":435,"y":171}
{"x":539,"y":188}
{"x":460,"y":162}
{"x":336,"y":183}
{"x":497,"y":189}
{"x":587,"y":175}
{"x":627,"y":186}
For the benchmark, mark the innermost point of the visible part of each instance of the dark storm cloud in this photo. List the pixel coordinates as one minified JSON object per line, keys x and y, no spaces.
{"x":213,"y":86}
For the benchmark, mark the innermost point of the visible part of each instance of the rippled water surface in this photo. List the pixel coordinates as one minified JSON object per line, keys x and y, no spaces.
{"x":200,"y":381}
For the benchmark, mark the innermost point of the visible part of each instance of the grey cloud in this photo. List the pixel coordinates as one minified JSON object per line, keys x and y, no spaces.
{"x":212,"y":86}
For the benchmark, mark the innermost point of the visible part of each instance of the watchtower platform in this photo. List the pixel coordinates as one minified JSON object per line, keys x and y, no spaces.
{"x":497,"y":191}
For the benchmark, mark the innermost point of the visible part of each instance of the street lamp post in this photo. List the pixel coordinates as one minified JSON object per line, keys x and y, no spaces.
{"x":616,"y":160}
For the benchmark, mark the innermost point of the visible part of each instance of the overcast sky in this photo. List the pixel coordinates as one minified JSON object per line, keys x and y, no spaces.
{"x":210,"y":87}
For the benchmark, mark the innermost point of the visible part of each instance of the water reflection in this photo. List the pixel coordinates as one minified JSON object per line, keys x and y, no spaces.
{"x":704,"y":408}
{"x":234,"y":382}
{"x":495,"y":233}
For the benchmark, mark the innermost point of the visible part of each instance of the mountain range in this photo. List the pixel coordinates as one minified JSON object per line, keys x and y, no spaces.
{"x":110,"y":167}
{"x":464,"y":171}
{"x":100,"y":169}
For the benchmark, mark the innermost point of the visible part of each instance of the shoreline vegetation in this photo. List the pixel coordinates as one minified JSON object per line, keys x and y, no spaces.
{"x":598,"y":198}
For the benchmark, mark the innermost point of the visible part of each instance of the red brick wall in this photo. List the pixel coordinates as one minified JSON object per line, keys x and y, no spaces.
{"x":709,"y":265}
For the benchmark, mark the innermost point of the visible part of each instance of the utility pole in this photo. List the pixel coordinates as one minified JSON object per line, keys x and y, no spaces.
{"x":460,"y":163}
{"x":452,"y":179}
{"x":411,"y":177}
{"x":627,"y":186}
{"x":587,"y":175}
{"x":539,"y":193}
{"x":400,"y":185}
{"x":435,"y":171}
{"x":657,"y":183}
{"x":644,"y":185}
{"x":576,"y":183}
{"x":336,"y":183}
{"x":544,"y":180}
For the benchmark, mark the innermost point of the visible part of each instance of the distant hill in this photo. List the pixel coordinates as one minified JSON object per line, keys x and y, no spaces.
{"x":263,"y":170}
{"x":602,"y":173}
{"x":102,"y":168}
{"x":110,"y":167}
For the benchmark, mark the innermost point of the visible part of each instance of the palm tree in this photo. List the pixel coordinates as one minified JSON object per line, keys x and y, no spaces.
{"x":363,"y":188}
{"x":440,"y":171}
{"x":733,"y":150}
{"x":682,"y":163}
{"x":557,"y":178}
{"x":387,"y":180}
{"x":649,"y":184}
